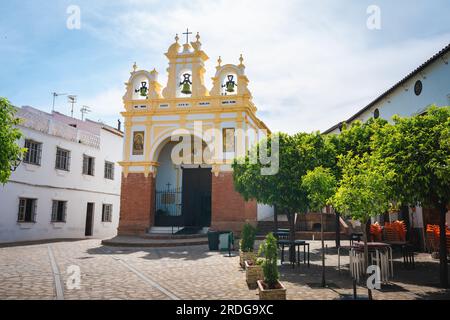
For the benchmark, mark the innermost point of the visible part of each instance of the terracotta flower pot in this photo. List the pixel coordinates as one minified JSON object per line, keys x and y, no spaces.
{"x":253,"y":273}
{"x":279,"y":293}
{"x":246,"y":256}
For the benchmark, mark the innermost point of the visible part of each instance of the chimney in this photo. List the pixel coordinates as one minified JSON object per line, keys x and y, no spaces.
{"x":119,"y":125}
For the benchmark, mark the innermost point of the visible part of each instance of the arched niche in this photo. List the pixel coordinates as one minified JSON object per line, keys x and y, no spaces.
{"x":229,"y":83}
{"x":184,"y":83}
{"x":226,"y":75}
{"x":139,"y":85}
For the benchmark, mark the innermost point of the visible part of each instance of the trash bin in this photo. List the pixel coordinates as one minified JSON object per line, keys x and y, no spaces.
{"x":226,"y":241}
{"x":213,"y":240}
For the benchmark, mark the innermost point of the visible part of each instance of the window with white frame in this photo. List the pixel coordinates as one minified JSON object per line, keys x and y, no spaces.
{"x":109,"y":170}
{"x":59,"y":211}
{"x":88,"y":165}
{"x":34,"y":152}
{"x":62,"y":159}
{"x":107,"y":213}
{"x":27,"y":210}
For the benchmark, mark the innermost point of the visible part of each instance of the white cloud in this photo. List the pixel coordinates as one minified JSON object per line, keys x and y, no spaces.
{"x":308,"y":68}
{"x":106,"y":106}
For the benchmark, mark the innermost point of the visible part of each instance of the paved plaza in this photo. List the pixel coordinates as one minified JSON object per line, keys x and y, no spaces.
{"x":48,"y":271}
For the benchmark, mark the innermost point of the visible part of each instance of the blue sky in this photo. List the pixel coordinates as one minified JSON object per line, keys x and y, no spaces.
{"x":310,"y":63}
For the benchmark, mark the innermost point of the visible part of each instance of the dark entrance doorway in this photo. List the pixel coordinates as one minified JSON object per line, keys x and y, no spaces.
{"x":188,"y":206}
{"x":196,"y":208}
{"x":89,"y":219}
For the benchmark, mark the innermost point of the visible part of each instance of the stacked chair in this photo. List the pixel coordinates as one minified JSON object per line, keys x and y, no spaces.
{"x":433,"y":237}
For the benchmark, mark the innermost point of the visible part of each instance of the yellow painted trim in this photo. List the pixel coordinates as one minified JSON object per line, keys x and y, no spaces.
{"x":138,"y":163}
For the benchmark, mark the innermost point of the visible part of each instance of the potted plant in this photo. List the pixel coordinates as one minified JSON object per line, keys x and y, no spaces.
{"x":270,"y":288}
{"x":254,"y":272}
{"x":247,"y":244}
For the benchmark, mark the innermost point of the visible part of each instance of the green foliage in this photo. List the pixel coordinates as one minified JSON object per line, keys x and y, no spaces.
{"x":248,"y":235}
{"x":364,"y":189}
{"x":418,"y":149}
{"x":260,"y":261}
{"x":357,"y":139}
{"x":9,"y":149}
{"x":297,"y":154}
{"x":269,"y":249}
{"x":320,"y":184}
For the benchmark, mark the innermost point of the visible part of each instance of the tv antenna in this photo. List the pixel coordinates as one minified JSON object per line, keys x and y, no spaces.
{"x":55,"y":95}
{"x":84,"y":110}
{"x":72,"y":99}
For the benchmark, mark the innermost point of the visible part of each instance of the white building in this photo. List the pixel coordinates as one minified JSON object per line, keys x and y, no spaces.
{"x":68,"y":184}
{"x":428,"y":84}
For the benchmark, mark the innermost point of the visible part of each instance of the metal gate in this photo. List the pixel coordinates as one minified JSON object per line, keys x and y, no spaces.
{"x":168,"y":207}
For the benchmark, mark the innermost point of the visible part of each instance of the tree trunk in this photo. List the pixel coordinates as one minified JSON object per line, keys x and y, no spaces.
{"x":443,"y":246}
{"x":338,"y":230}
{"x":275,"y":219}
{"x":291,"y":218}
{"x":323,"y":250}
{"x":366,"y":232}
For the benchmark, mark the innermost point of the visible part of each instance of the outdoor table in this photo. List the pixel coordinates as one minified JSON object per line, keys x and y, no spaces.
{"x":407,"y":252}
{"x":376,"y":251}
{"x":281,"y":234}
{"x":297,"y":244}
{"x":372,"y":247}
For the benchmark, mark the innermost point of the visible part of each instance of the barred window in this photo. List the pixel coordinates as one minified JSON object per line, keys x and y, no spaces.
{"x":27,"y":210}
{"x":59,"y":210}
{"x":88,"y":165}
{"x":107,"y":213}
{"x":34,"y":152}
{"x":109,"y":170}
{"x":62,"y":159}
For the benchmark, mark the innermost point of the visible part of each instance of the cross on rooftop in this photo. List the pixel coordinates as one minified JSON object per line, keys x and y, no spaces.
{"x":187,"y":33}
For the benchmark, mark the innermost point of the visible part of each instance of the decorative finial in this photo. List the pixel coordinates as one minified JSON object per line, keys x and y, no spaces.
{"x":241,"y":60}
{"x":198,"y":37}
{"x":219,"y":61}
{"x":134,"y":67}
{"x":176,"y":38}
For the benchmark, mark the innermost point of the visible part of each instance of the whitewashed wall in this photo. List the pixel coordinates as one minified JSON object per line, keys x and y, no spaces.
{"x":45,"y":183}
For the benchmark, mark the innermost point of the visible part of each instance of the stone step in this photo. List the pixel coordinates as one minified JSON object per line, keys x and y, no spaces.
{"x":164,"y":230}
{"x":130,"y":241}
{"x":162,"y":236}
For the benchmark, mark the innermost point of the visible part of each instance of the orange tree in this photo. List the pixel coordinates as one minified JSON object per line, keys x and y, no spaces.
{"x":320,"y":184}
{"x":418,"y":150}
{"x":283,"y":189}
{"x":10,"y":151}
{"x":354,"y":140}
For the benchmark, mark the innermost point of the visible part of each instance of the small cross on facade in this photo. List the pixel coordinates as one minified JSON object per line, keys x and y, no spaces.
{"x":187,"y":33}
{"x":168,"y":186}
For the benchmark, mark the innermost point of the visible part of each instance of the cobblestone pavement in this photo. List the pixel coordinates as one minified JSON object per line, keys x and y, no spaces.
{"x":27,"y":272}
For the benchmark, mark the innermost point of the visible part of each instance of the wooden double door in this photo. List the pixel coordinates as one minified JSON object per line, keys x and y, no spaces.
{"x":196,"y":197}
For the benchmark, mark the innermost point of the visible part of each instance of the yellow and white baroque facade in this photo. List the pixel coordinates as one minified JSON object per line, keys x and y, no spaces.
{"x":160,"y":112}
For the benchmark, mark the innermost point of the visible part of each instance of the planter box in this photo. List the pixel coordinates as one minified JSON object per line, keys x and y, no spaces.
{"x":271,"y":294}
{"x":253,"y":273}
{"x":246,"y":256}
